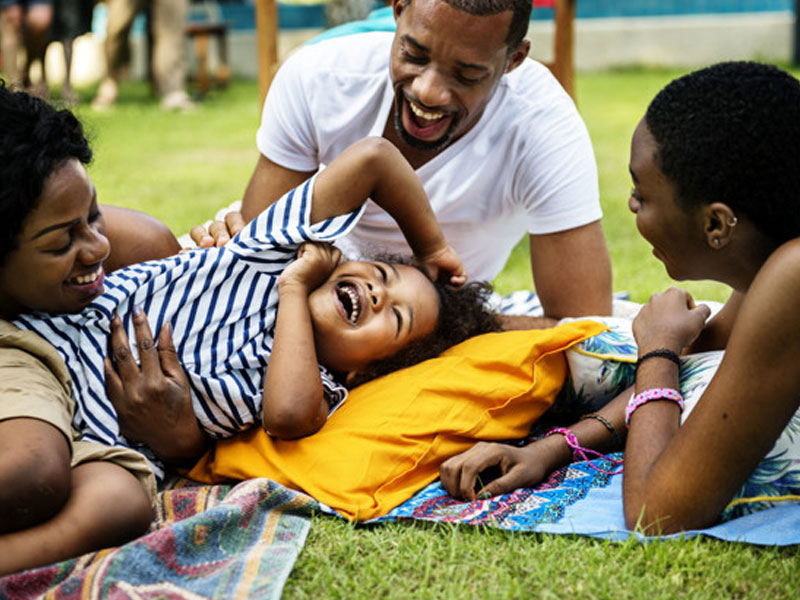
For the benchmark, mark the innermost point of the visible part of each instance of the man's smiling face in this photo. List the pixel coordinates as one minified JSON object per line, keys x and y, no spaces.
{"x":445,"y":66}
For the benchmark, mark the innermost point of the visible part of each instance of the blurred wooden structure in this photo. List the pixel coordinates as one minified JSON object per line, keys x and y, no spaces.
{"x":266,"y":43}
{"x":563,"y":65}
{"x":201,"y":33}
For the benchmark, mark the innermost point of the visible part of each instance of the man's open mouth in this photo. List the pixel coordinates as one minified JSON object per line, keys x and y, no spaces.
{"x":347,"y":293}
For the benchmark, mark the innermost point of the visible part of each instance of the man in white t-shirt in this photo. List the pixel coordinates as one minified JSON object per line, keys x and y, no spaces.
{"x":498,"y":144}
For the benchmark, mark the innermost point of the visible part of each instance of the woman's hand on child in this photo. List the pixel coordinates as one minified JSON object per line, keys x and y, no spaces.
{"x":444,"y":260}
{"x":314,"y":263}
{"x":516,"y":467}
{"x":152,"y":400}
{"x":669,"y":320}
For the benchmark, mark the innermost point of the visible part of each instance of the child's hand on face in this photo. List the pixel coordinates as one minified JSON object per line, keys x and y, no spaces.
{"x":444,"y":260}
{"x":314,"y":264}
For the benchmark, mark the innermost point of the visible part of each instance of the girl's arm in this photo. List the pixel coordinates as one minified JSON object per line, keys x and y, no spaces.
{"x":375,"y":168}
{"x":294,"y":402}
{"x":529,"y":465}
{"x":717,"y":331}
{"x":682,"y":478}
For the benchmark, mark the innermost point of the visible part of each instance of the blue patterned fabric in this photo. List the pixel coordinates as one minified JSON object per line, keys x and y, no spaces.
{"x":581,"y":500}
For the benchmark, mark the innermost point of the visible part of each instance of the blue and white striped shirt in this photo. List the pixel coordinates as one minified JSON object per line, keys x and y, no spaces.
{"x":221,"y":304}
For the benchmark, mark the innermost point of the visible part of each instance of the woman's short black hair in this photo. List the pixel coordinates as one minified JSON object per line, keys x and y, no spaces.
{"x":731,"y":133}
{"x":464,"y":312}
{"x":35,"y":141}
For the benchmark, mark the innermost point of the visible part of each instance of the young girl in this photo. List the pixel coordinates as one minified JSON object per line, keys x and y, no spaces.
{"x":265,"y":337}
{"x":716,"y":188}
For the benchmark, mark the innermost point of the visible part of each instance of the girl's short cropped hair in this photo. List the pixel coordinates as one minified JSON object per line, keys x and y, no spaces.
{"x":464,"y":312}
{"x":35,"y":141}
{"x":731,"y":133}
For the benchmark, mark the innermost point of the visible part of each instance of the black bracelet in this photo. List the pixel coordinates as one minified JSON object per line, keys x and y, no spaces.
{"x":616,"y":439}
{"x":659,"y":353}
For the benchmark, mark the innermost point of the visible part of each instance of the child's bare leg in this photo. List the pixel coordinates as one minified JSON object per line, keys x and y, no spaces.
{"x":34,"y":472}
{"x":107,"y":506}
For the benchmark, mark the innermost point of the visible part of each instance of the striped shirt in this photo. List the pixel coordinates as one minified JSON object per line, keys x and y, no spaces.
{"x":221,"y":304}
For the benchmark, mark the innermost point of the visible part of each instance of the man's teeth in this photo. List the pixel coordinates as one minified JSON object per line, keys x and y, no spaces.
{"x":355,"y":309}
{"x":424,"y":114}
{"x":89,"y":278}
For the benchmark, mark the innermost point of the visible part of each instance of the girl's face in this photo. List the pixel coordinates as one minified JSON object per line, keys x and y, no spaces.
{"x":677,"y":235}
{"x":57,"y":266}
{"x":367,"y":311}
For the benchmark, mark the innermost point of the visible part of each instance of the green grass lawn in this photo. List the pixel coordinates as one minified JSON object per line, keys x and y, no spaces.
{"x":183,"y":167}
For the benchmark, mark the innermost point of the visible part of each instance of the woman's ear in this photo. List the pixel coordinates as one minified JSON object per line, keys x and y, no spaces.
{"x":719,"y":224}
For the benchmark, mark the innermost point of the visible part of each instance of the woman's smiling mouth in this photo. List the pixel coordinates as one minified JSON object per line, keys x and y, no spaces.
{"x":88,"y":278}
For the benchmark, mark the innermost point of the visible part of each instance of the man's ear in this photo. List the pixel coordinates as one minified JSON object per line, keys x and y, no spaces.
{"x":518,"y":55}
{"x":398,"y":6}
{"x":719,"y":224}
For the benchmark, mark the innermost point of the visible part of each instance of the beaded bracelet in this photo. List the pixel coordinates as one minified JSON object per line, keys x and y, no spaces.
{"x":579,"y":451}
{"x":658,"y":353}
{"x":649,"y":395}
{"x":616,"y":439}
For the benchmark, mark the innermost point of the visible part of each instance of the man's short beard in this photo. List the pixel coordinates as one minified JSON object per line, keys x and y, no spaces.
{"x":434,"y":146}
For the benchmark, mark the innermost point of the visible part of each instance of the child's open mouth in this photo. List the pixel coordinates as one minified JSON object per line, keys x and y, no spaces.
{"x":347,"y":293}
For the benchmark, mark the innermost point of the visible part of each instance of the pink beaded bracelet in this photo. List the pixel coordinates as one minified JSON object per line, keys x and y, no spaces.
{"x":649,"y":395}
{"x":579,"y":452}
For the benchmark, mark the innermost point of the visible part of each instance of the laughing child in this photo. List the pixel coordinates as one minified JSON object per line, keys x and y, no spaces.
{"x":271,"y":328}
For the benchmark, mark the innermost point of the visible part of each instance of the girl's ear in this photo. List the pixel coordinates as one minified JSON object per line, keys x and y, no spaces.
{"x":719,"y":224}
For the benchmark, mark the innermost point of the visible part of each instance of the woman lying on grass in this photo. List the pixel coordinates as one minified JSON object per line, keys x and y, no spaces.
{"x":53,"y":253}
{"x":714,"y":164}
{"x":360,"y":319}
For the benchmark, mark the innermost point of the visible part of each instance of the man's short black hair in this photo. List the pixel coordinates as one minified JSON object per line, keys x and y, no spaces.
{"x":520,"y":18}
{"x":731,"y":133}
{"x":35,"y":141}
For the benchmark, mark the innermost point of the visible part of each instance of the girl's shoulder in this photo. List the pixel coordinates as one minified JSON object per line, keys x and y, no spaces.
{"x":781,"y":271}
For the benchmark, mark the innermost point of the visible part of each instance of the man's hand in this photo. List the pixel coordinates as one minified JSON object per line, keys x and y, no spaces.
{"x":517,"y":467}
{"x":218,"y":233}
{"x":314,"y":264}
{"x":441,"y":261}
{"x":153,"y":402}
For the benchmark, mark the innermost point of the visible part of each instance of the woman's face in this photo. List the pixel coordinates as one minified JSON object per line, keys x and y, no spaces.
{"x":57,"y":266}
{"x":676,"y":234}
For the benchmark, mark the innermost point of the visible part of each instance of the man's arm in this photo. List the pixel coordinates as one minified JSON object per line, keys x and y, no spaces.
{"x":135,"y":237}
{"x":268,"y":183}
{"x":572,"y":271}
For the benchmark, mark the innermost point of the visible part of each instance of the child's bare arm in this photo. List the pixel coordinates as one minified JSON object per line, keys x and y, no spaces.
{"x":374,"y":168}
{"x":294,"y":400}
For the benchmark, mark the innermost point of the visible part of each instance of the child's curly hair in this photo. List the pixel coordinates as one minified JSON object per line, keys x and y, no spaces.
{"x":464,"y":312}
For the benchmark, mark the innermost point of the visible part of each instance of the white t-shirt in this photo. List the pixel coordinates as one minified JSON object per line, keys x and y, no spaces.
{"x":526,"y":166}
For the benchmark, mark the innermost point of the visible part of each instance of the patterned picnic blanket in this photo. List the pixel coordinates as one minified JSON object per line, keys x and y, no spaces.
{"x":218,"y":541}
{"x":578,"y":499}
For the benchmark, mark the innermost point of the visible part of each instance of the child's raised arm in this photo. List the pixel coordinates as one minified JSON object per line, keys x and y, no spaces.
{"x":374,"y":168}
{"x":294,"y":402}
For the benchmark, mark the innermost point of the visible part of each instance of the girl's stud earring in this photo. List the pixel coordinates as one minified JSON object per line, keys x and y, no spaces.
{"x":716,"y":242}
